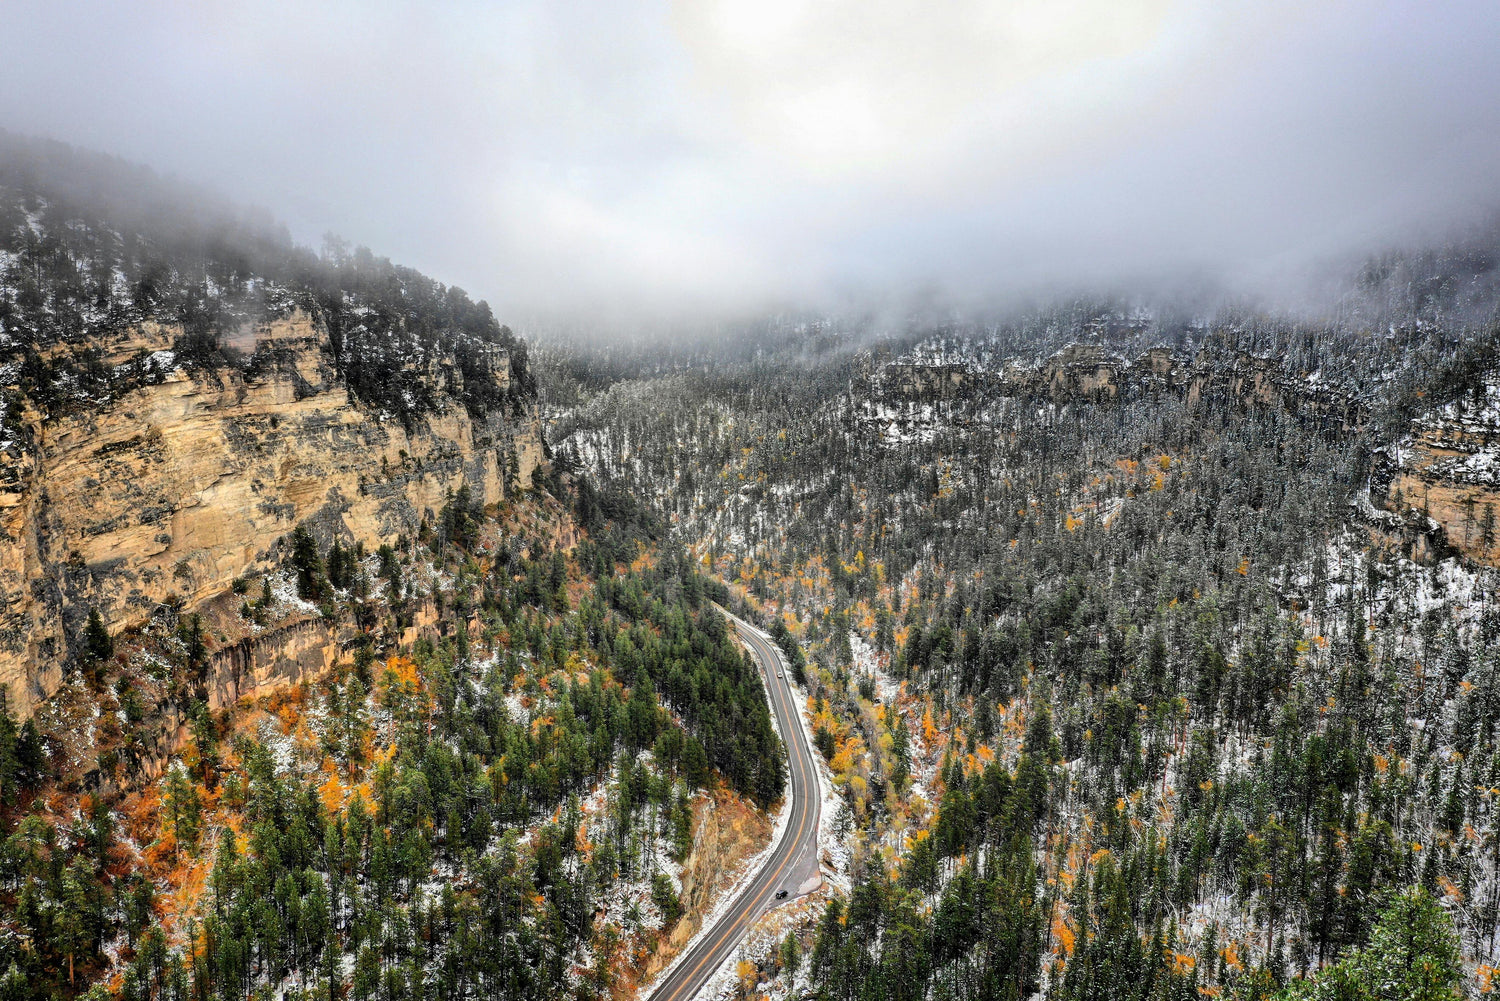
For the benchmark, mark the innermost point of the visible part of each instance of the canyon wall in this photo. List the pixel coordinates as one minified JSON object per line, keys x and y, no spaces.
{"x":1089,"y":372}
{"x":173,"y":490}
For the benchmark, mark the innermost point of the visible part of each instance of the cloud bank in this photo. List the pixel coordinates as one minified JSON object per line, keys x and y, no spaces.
{"x":607,"y":160}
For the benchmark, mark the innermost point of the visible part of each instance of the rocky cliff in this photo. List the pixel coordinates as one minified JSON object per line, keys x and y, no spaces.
{"x":1090,"y":372}
{"x":170,"y":490}
{"x":1445,"y":475}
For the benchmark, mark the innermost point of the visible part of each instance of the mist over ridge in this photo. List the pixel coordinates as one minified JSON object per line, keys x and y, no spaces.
{"x":656,"y":166}
{"x":711,"y":500}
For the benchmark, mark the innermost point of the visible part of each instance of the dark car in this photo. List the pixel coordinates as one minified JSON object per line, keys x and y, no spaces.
{"x":780,"y":894}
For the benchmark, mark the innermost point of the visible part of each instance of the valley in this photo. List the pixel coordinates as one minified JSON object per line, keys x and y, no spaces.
{"x":355,"y":646}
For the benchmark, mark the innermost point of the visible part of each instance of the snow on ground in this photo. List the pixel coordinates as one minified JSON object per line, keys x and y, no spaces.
{"x":1483,"y":418}
{"x":282,"y":747}
{"x":1464,"y":426}
{"x":833,"y":851}
{"x":746,"y":872}
{"x":831,"y":847}
{"x":867,"y":662}
{"x":284,"y":590}
{"x":1479,"y":467}
{"x":1449,"y":585}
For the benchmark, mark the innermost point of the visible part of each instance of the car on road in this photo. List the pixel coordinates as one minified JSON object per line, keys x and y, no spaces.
{"x":780,"y":894}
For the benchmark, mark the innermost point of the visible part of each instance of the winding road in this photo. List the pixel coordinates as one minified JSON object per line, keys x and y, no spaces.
{"x":792,"y":865}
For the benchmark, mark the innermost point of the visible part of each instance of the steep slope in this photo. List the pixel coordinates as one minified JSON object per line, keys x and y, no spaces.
{"x":322,"y":691}
{"x":178,"y":396}
{"x":1127,"y":687}
{"x":502,"y":791}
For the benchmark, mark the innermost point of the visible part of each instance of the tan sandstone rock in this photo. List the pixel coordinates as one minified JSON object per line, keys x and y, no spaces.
{"x":180,"y":487}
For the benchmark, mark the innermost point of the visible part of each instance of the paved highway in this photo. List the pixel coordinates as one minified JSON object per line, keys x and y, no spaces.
{"x":793,"y":863}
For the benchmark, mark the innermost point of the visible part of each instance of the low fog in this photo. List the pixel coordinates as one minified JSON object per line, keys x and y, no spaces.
{"x":621,"y":163}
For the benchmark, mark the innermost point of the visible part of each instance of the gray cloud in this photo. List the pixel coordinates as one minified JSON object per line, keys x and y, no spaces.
{"x":608,"y":159}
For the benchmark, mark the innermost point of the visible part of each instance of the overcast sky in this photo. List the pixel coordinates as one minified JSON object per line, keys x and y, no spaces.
{"x":613,"y":158}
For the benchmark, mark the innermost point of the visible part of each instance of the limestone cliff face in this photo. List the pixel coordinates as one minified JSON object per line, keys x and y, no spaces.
{"x":1089,"y":372}
{"x":177,"y":488}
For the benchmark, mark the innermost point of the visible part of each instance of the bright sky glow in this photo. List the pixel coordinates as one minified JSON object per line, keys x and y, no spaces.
{"x":655,"y":158}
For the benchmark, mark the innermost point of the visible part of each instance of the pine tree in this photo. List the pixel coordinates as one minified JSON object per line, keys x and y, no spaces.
{"x":308,"y":564}
{"x":182,"y":808}
{"x":10,"y":761}
{"x":1412,"y":954}
{"x":98,"y":646}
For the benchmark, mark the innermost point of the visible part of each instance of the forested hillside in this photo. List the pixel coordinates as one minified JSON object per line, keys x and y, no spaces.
{"x":499,"y":809}
{"x":1148,"y":646}
{"x":1129,"y":682}
{"x":91,"y":246}
{"x":321,"y":688}
{"x":182,"y":385}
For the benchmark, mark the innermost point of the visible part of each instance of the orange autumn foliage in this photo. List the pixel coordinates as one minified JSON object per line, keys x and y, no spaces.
{"x":1066,"y":938}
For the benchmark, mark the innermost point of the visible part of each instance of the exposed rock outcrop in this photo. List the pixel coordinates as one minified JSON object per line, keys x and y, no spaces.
{"x":179,"y":487}
{"x":1446,"y":474}
{"x":1089,"y":371}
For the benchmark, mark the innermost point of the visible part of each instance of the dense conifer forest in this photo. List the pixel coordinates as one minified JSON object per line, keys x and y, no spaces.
{"x":1152,"y":693}
{"x":447,"y":821}
{"x":1148,"y":647}
{"x":490,"y":791}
